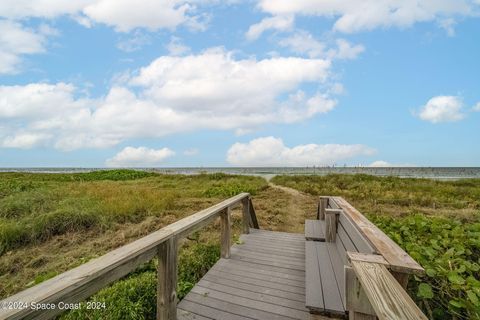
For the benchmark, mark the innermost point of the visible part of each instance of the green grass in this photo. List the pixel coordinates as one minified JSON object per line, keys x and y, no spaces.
{"x":444,"y":238}
{"x":36,"y":207}
{"x":402,"y":193}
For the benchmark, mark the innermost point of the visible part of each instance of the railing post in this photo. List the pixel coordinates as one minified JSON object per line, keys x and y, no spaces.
{"x":246,"y":215}
{"x":322,"y":206}
{"x":331,"y":221}
{"x":402,"y":278}
{"x":253,"y":215}
{"x":225,"y":227}
{"x":357,"y":303}
{"x":167,"y":280}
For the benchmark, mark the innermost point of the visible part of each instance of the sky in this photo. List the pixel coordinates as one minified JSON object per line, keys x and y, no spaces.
{"x":205,"y":83}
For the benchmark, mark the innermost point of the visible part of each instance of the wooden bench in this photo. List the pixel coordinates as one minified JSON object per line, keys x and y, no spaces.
{"x":330,"y":279}
{"x":315,"y":230}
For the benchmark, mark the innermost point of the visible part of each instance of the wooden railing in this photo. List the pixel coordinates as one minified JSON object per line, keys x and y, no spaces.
{"x":375,"y":284}
{"x":45,"y":300}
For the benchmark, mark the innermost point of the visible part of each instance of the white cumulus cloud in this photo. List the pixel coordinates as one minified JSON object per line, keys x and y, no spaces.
{"x":271,"y":151}
{"x":353,"y":16}
{"x":16,"y":41}
{"x":302,"y":42}
{"x":125,"y":15}
{"x":139,"y":157}
{"x":442,"y":109}
{"x":211,"y":90}
{"x":281,"y":23}
{"x":476,"y":107}
{"x":385,"y":164}
{"x":122,"y":15}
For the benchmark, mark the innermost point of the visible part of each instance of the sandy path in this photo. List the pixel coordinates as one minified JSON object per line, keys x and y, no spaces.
{"x":283,"y":209}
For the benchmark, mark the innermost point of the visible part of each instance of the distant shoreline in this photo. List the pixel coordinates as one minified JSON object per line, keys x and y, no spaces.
{"x":438,"y":173}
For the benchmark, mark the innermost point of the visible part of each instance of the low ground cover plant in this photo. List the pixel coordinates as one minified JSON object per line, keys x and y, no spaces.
{"x":444,"y":239}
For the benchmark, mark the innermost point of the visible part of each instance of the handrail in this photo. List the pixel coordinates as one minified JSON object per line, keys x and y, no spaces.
{"x":385,"y":295}
{"x":81,"y":282}
{"x":399,"y":260}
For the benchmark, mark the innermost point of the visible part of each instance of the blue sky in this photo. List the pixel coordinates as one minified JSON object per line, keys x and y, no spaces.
{"x":118,"y":83}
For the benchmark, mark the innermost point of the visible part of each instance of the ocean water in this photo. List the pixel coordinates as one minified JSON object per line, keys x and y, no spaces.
{"x":441,"y":173}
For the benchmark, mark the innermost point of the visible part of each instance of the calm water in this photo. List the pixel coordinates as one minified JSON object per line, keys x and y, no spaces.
{"x":443,"y":173}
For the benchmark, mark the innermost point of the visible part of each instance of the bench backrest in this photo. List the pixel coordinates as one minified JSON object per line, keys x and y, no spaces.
{"x":358,"y":226}
{"x":350,"y":239}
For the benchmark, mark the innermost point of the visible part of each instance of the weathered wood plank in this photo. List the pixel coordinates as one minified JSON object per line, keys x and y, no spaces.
{"x":331,"y":292}
{"x":298,"y":305}
{"x":338,"y":269}
{"x":331,"y":219}
{"x":253,"y":215}
{"x":300,"y":297}
{"x":315,"y":230}
{"x":345,"y":239}
{"x":258,"y":269}
{"x":383,"y":245}
{"x":265,"y":255}
{"x":374,"y":258}
{"x":268,"y":262}
{"x":285,"y":240}
{"x":267,"y":268}
{"x":167,"y":280}
{"x":234,"y":308}
{"x":277,"y":233}
{"x":225,"y":233}
{"x":313,"y":281}
{"x":213,"y":274}
{"x":322,"y":205}
{"x":267,"y":244}
{"x":356,"y":299}
{"x":251,"y":303}
{"x":360,"y":242}
{"x":272,"y":250}
{"x":252,"y":275}
{"x":207,"y":311}
{"x":186,"y":315}
{"x":385,"y":294}
{"x":246,"y":220}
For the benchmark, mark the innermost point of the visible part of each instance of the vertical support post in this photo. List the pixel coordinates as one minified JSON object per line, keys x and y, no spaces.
{"x":225,"y":227}
{"x":167,"y":280}
{"x":253,"y":215}
{"x":246,"y":215}
{"x":322,"y":206}
{"x":402,"y":278}
{"x":357,"y":303}
{"x":331,"y":221}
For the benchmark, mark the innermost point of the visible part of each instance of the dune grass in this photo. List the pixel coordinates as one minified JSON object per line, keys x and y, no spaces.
{"x":436,"y":222}
{"x":37,"y":207}
{"x":50,"y":223}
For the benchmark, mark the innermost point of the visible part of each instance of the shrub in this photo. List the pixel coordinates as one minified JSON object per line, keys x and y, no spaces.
{"x":450,"y":253}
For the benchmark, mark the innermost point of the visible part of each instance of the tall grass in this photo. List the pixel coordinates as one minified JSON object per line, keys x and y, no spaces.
{"x":366,"y":190}
{"x":37,"y":207}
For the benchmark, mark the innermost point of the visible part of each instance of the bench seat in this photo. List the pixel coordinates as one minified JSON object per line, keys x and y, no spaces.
{"x":315,"y":230}
{"x":325,"y":280}
{"x":325,"y":267}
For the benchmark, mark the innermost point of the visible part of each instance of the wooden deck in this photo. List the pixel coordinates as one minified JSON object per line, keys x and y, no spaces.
{"x":263,"y":279}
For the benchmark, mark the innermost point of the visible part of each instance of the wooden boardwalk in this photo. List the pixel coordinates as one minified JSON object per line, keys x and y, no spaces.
{"x":263,"y":279}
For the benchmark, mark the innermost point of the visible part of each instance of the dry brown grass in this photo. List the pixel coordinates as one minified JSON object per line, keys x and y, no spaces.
{"x":276,"y":208}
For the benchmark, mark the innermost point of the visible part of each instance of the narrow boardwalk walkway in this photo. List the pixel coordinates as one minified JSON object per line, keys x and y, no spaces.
{"x":263,"y":279}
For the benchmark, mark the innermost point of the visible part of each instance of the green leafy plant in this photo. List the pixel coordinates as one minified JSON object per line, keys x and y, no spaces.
{"x":449,"y":250}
